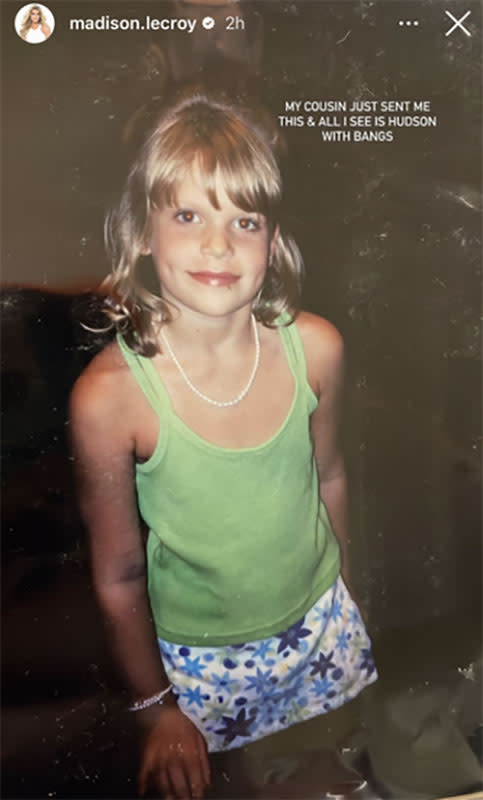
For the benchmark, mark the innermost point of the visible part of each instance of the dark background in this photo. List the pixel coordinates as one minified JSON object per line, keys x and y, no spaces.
{"x":391,"y":237}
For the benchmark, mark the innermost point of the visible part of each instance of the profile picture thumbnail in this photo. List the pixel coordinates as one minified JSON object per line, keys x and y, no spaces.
{"x":34,"y":23}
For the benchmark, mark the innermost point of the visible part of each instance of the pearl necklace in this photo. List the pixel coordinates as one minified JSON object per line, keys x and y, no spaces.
{"x":219,"y":403}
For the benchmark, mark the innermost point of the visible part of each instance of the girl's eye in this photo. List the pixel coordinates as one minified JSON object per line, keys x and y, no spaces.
{"x":248,"y":224}
{"x":187,"y":216}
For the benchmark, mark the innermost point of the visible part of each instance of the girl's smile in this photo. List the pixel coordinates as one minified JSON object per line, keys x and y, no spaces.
{"x":215,"y":278}
{"x":210,"y":260}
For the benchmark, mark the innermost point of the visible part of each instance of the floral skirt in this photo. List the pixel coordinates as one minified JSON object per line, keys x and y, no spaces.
{"x":236,"y":694}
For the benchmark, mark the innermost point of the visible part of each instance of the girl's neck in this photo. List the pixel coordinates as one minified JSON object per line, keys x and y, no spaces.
{"x":210,"y":335}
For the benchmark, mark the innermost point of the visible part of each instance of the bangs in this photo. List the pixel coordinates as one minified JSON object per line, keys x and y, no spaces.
{"x":222,"y":149}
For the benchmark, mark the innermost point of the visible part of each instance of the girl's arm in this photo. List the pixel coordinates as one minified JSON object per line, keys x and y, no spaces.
{"x":324,"y":351}
{"x":103,"y":445}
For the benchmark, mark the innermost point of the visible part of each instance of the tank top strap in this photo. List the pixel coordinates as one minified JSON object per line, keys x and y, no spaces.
{"x":295,"y":352}
{"x":146,"y":377}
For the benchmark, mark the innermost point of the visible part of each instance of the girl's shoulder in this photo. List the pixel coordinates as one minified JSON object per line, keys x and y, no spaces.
{"x":320,"y":338}
{"x":102,"y":390}
{"x":323,"y":347}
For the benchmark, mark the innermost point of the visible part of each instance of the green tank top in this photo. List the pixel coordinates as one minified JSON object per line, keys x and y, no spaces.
{"x":240,"y":545}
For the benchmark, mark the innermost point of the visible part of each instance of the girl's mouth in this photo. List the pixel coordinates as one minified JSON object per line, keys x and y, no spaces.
{"x":215,"y":278}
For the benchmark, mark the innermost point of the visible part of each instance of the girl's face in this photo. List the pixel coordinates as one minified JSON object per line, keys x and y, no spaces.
{"x":35,"y":15}
{"x":210,"y":261}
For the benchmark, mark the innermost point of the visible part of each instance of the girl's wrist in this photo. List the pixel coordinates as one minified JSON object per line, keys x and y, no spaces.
{"x":155,"y":699}
{"x":147,"y":718}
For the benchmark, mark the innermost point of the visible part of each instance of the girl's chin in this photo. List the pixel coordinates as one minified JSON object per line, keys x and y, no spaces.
{"x":210,"y":301}
{"x":213,"y":309}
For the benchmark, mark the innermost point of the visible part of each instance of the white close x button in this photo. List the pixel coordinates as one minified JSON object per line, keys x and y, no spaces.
{"x":458,"y":23}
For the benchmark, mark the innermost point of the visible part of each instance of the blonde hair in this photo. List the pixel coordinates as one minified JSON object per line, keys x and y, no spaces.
{"x":229,"y":140}
{"x":27,"y":22}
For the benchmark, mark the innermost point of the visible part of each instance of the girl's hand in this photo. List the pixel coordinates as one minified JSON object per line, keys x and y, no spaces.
{"x":174,"y":758}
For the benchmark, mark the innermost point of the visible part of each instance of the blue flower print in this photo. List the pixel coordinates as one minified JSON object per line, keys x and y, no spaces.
{"x":168,"y":651}
{"x":336,"y":610}
{"x":322,"y":687}
{"x":291,"y":637}
{"x":236,"y":694}
{"x":168,"y":658}
{"x":354,"y":616}
{"x":322,"y":664}
{"x":261,"y":682}
{"x":236,"y":726}
{"x":263,"y":650}
{"x":303,"y":646}
{"x":285,"y":696}
{"x":192,"y":667}
{"x":193,"y":696}
{"x":367,"y":662}
{"x":321,"y":614}
{"x":224,"y":682}
{"x":342,"y":641}
{"x":267,"y":712}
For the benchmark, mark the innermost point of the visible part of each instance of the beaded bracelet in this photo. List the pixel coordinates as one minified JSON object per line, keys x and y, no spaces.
{"x":158,"y":698}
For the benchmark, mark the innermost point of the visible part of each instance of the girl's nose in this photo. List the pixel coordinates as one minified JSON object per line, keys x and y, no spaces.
{"x":215,"y":242}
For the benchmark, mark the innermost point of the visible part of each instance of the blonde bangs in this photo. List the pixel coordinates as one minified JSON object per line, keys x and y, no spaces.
{"x":224,"y":152}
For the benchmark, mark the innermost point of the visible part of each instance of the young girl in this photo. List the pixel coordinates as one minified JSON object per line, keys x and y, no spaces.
{"x":216,"y":412}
